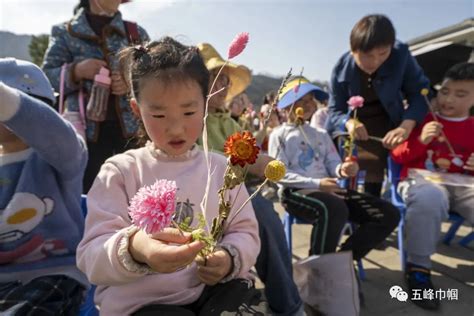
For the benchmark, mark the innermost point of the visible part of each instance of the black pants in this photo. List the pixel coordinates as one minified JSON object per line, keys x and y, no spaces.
{"x":236,"y":297}
{"x":375,"y":219}
{"x":109,"y":143}
{"x":43,"y":296}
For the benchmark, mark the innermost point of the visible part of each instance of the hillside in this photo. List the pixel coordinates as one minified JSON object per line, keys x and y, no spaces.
{"x":14,"y":45}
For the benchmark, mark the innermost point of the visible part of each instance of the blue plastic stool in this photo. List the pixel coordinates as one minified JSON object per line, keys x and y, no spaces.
{"x":88,"y":307}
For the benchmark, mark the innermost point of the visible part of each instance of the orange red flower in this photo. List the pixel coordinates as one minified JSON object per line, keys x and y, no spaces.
{"x":242,"y":148}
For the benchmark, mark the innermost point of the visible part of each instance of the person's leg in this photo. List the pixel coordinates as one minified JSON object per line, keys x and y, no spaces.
{"x":327,"y":229}
{"x":373,"y":188}
{"x":427,"y":206}
{"x":376,"y":218}
{"x":236,"y":297}
{"x":462,"y":202}
{"x":274,"y":265}
{"x":47,"y":295}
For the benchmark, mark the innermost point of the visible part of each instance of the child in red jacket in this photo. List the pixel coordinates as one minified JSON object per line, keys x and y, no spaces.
{"x":428,"y":148}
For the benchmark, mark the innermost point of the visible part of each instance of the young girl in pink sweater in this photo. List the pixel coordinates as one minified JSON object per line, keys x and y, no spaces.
{"x":143,"y":274}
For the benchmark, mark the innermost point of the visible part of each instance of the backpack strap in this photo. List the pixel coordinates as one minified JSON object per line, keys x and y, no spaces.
{"x":132,"y":32}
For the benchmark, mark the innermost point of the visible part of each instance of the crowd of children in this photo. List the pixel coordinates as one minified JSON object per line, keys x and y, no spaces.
{"x":50,"y":254}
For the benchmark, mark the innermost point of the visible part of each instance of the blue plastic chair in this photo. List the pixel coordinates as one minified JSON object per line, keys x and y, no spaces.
{"x":393,"y":176}
{"x":394,"y":170}
{"x":88,"y":307}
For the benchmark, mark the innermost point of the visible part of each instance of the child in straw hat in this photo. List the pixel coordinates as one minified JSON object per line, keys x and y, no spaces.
{"x":274,"y":261}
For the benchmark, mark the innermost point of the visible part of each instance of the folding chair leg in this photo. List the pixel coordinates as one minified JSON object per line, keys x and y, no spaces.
{"x":401,"y":247}
{"x":287,"y":223}
{"x":361,"y":270}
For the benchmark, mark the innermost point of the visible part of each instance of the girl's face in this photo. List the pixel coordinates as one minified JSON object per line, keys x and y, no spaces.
{"x":370,"y":61}
{"x":308,"y":103}
{"x":274,"y":120}
{"x":172,"y":113}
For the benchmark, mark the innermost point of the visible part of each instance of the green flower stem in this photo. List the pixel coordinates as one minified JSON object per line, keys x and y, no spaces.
{"x":248,"y":200}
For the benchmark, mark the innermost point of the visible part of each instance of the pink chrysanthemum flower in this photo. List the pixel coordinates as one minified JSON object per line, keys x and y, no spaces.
{"x":238,"y":45}
{"x":356,"y":102}
{"x":153,"y":206}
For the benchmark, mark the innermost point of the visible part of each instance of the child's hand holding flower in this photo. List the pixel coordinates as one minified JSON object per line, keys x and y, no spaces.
{"x":349,"y":167}
{"x":214,"y":267}
{"x":155,"y":250}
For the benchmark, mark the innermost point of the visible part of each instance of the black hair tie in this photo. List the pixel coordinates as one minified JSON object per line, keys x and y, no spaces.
{"x":140,"y":54}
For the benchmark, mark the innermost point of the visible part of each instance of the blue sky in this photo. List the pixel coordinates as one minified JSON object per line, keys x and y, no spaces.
{"x":293,"y":33}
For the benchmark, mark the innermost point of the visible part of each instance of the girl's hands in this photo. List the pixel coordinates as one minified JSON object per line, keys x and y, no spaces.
{"x":157,"y":252}
{"x":349,"y":168}
{"x":215,"y":267}
{"x":329,"y":185}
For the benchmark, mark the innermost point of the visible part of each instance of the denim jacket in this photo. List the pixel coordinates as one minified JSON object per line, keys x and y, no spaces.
{"x":74,"y":41}
{"x":398,"y":78}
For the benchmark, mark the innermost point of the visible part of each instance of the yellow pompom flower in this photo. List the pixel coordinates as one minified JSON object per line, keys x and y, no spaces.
{"x":425,"y":91}
{"x":299,"y":112}
{"x":275,"y":170}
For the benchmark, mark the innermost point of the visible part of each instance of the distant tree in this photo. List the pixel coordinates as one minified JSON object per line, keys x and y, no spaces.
{"x":37,"y":48}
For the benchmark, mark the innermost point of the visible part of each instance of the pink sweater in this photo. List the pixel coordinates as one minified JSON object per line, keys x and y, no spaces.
{"x":121,"y":291}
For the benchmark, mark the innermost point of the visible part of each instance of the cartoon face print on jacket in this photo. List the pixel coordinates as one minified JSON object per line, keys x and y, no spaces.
{"x":306,"y":156}
{"x":18,"y":242}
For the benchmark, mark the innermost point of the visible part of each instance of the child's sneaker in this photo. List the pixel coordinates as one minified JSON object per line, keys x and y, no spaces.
{"x":419,"y":278}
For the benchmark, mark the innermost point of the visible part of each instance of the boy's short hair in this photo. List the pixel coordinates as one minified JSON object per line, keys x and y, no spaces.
{"x":26,"y":77}
{"x":372,"y":31}
{"x":461,"y":71}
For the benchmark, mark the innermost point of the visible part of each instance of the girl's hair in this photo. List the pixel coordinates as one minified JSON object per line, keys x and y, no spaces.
{"x":166,"y":60}
{"x":82,"y":4}
{"x":372,"y":31}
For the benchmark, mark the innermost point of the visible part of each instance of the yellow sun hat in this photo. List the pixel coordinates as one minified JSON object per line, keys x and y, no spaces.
{"x":239,"y":75}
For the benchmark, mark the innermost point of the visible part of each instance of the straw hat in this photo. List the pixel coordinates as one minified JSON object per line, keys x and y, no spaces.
{"x":288,"y":95}
{"x":239,"y":75}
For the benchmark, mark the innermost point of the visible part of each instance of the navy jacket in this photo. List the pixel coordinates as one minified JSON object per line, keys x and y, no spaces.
{"x":398,"y":78}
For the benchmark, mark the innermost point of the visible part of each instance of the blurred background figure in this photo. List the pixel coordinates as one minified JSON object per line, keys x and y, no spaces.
{"x":242,"y":111}
{"x":84,"y":45}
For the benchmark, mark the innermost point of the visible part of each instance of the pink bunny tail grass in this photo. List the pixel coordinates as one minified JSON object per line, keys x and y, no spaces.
{"x":152,"y":207}
{"x":238,"y":45}
{"x":356,"y":102}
